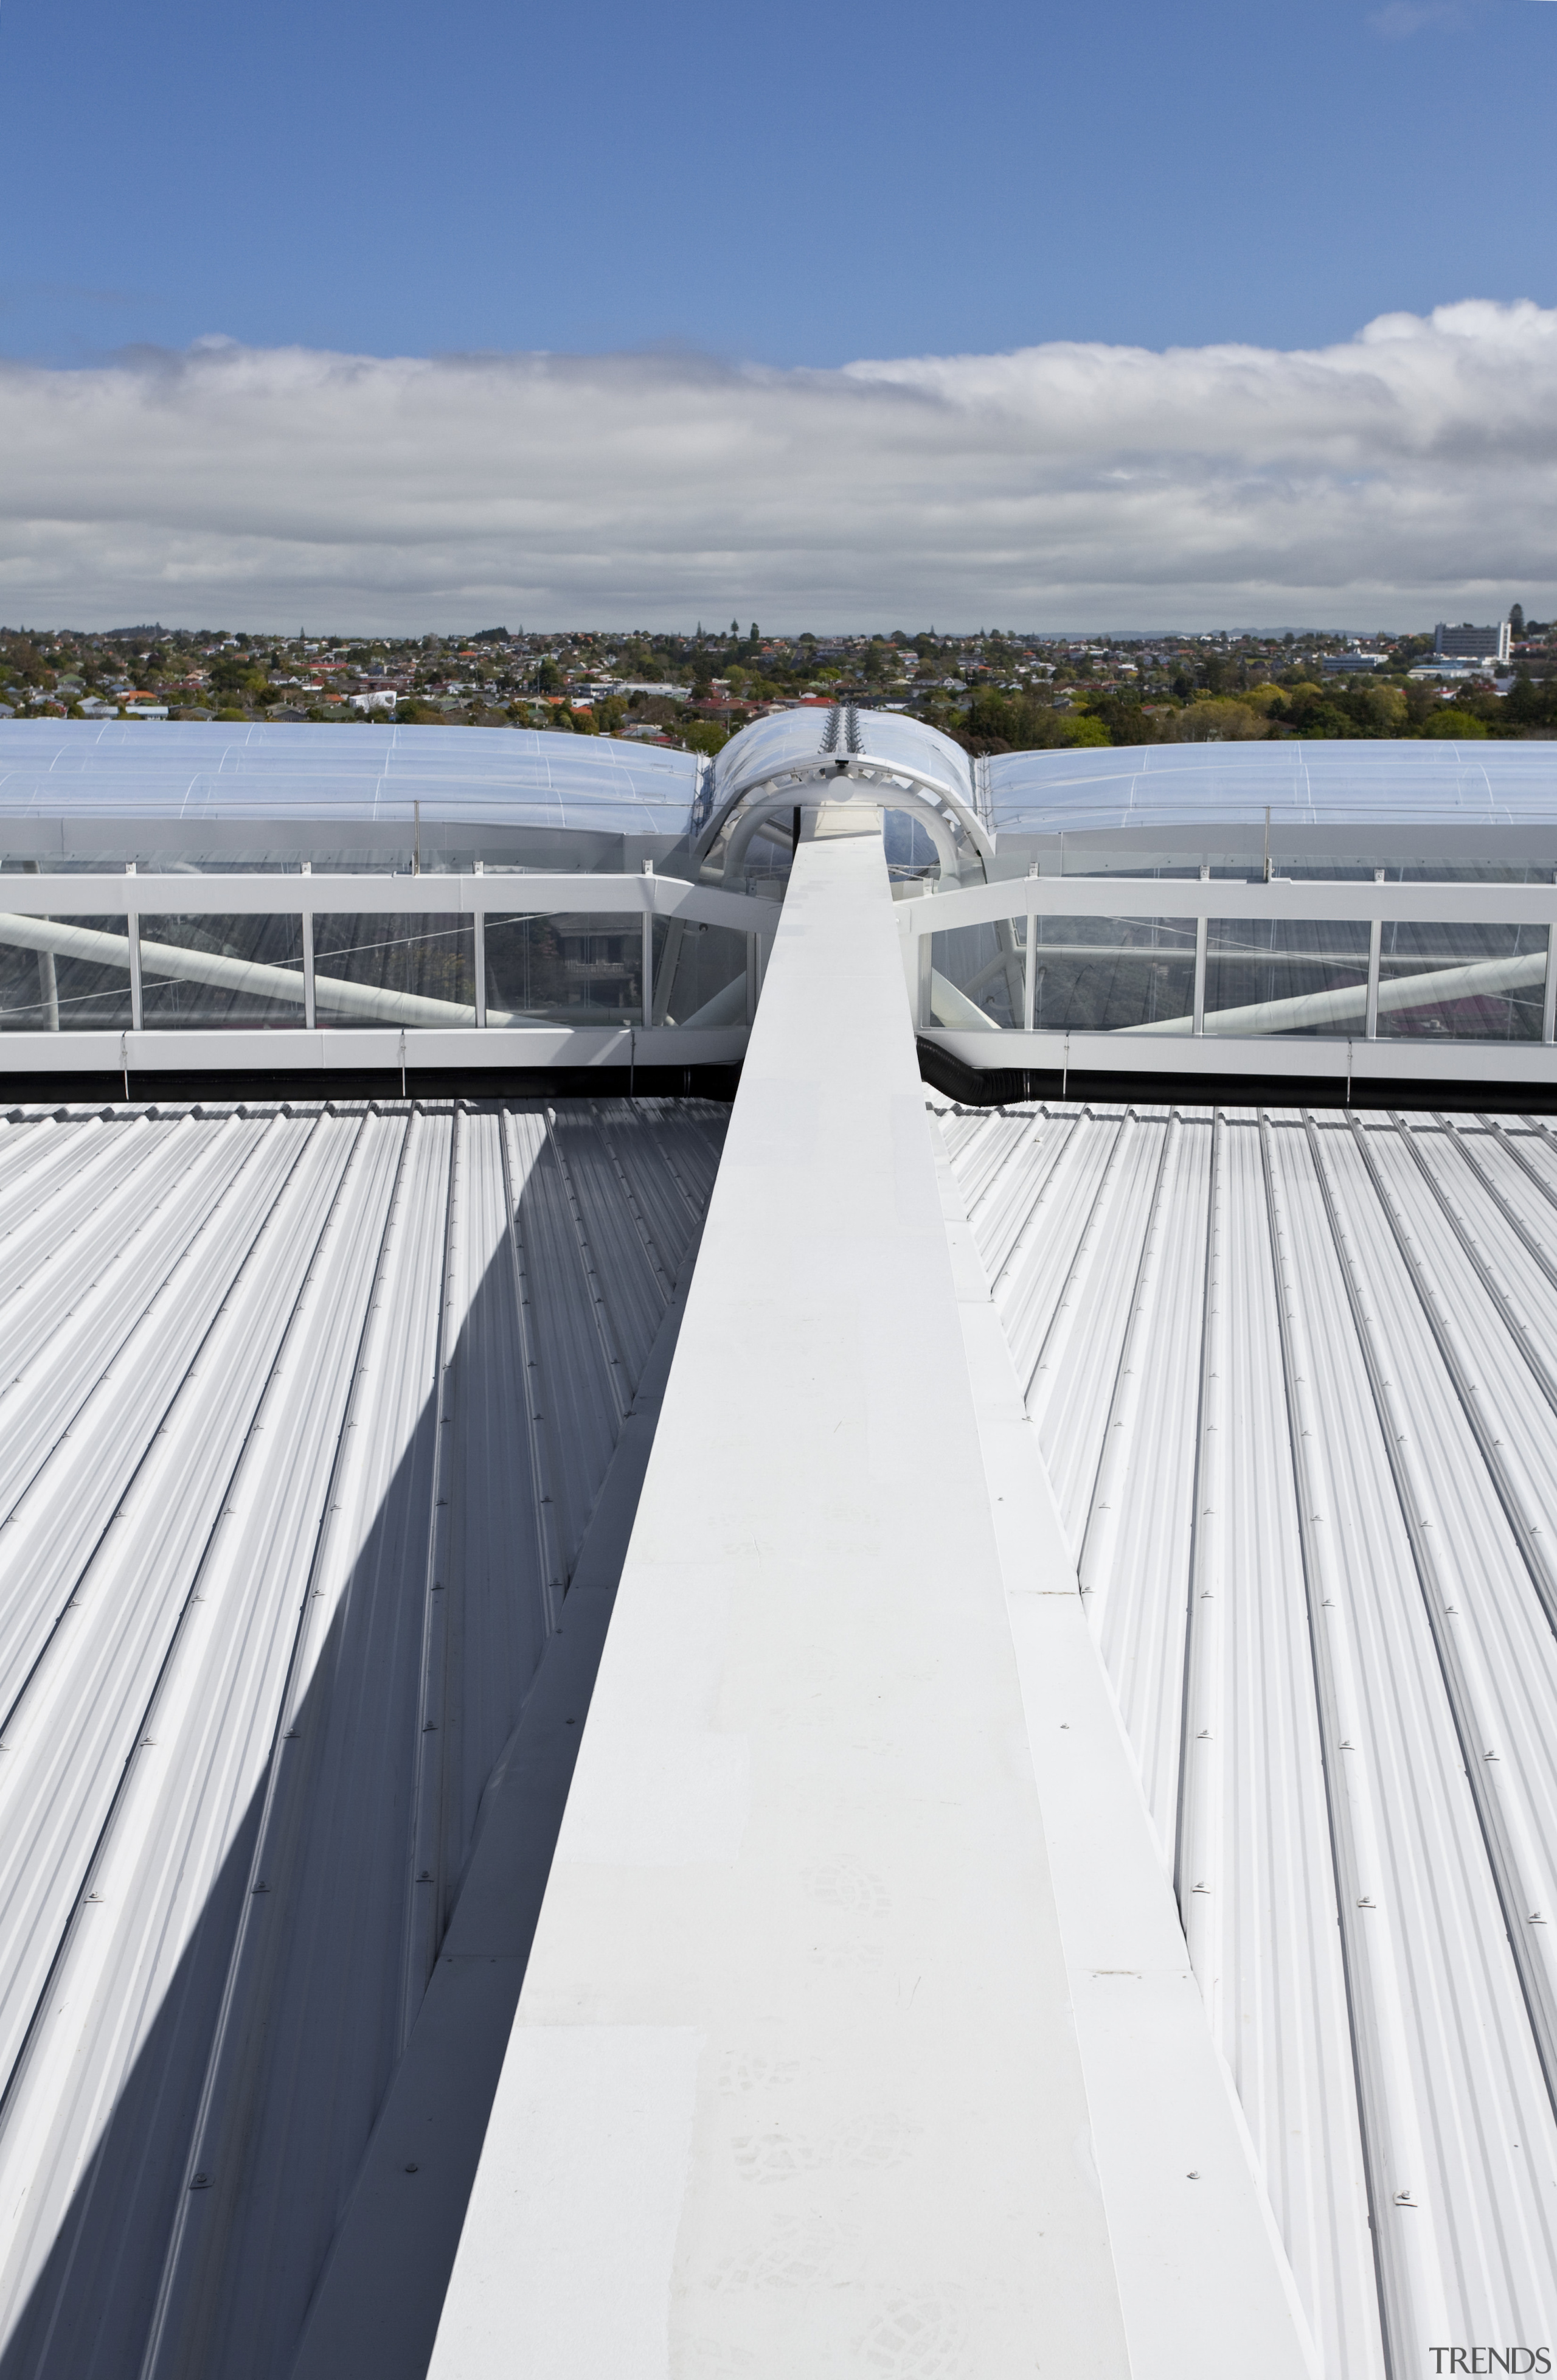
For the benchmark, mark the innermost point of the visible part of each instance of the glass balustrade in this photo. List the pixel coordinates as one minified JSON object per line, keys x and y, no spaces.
{"x":216,"y":973}
{"x":1295,"y":976}
{"x":64,"y":975}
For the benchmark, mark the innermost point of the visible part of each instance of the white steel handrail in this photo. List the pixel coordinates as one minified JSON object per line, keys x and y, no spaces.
{"x":1190,"y":897}
{"x":43,"y":908}
{"x":370,"y":1003}
{"x":259,"y":893}
{"x":1195,"y":901}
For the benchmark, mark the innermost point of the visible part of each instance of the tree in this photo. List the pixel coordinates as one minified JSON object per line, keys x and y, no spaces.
{"x":1449,"y":720}
{"x":235,"y":674}
{"x":999,"y":722}
{"x":1529,"y":705}
{"x":1517,"y":619}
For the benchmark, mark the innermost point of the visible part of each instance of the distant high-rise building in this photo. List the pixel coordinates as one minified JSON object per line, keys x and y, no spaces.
{"x":1468,"y":644}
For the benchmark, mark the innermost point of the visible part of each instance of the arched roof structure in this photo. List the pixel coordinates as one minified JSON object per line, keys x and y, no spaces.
{"x":879,"y":759}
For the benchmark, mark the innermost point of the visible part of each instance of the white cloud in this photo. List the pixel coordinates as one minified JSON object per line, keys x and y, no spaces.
{"x":1401,"y":18}
{"x":1407,"y":472}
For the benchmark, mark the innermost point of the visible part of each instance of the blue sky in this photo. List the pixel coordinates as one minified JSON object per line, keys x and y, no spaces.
{"x":802,"y":185}
{"x":424,"y":318}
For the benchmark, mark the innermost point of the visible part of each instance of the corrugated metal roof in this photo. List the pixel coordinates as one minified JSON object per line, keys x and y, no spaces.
{"x":1294,"y":1377}
{"x":303,"y":1414}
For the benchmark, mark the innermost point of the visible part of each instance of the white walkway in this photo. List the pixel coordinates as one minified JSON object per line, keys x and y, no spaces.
{"x":795,"y":2086}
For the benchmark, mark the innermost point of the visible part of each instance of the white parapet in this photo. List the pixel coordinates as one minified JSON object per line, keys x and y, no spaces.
{"x":795,"y":2088}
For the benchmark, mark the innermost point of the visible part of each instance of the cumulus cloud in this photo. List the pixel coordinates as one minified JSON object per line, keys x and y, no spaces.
{"x":1405,"y":472}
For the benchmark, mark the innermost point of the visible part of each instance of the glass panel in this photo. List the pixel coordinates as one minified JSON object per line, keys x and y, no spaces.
{"x":1462,"y":983}
{"x":201,"y":974}
{"x":79,"y":984}
{"x":414,"y":970}
{"x":985,"y":964}
{"x":699,"y":972}
{"x":1294,"y":975}
{"x":1090,"y":975}
{"x":1114,"y":974}
{"x":571,"y":969}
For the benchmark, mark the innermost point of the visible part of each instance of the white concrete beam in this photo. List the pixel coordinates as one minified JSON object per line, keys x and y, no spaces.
{"x":793,"y":2086}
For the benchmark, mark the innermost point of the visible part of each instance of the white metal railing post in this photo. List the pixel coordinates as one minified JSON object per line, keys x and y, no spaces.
{"x":1202,"y":925}
{"x":1375,"y":953}
{"x":132,"y":935}
{"x":924,"y":1011}
{"x":1030,"y":974}
{"x":648,"y":941}
{"x":478,"y":956}
{"x":1548,"y":1000}
{"x":310,"y":1013}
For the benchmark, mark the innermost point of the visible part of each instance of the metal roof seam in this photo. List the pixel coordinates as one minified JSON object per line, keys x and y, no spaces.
{"x":1093,"y":1565}
{"x":1197,"y":1877}
{"x":430,"y":1780}
{"x":1429,"y":2022}
{"x":1067,"y":1312}
{"x":109,"y":1508}
{"x":1142,"y":1615}
{"x":579,"y":1414}
{"x":1513,"y":1493}
{"x":547,"y":1548}
{"x":50,"y":1337}
{"x":322,"y":2070}
{"x":150,"y":1626}
{"x":1384,"y":2114}
{"x":1540,"y":1996}
{"x":1481,"y":1258}
{"x":618,"y":1370}
{"x":1103,"y":1281}
{"x":171,"y":2311}
{"x":1464,"y":1989}
{"x":165,"y":1688}
{"x":666,"y":1279}
{"x":1045,"y":1251}
{"x":1535,"y":1248}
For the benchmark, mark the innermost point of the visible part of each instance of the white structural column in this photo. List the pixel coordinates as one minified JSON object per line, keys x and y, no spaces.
{"x":794,"y":2087}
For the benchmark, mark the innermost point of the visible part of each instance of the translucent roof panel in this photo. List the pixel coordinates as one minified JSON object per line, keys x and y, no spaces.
{"x":890,"y":735}
{"x":1302,"y":784}
{"x":791,"y":738}
{"x":787,"y":737}
{"x":365,"y":775}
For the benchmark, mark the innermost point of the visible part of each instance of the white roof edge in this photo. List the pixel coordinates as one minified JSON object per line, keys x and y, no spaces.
{"x":1189,"y":2220}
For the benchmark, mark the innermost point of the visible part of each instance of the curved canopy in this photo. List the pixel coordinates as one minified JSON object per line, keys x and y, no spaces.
{"x":199,"y":792}
{"x":879,"y":757}
{"x":184,"y":769}
{"x":1302,"y":784}
{"x":799,"y":739}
